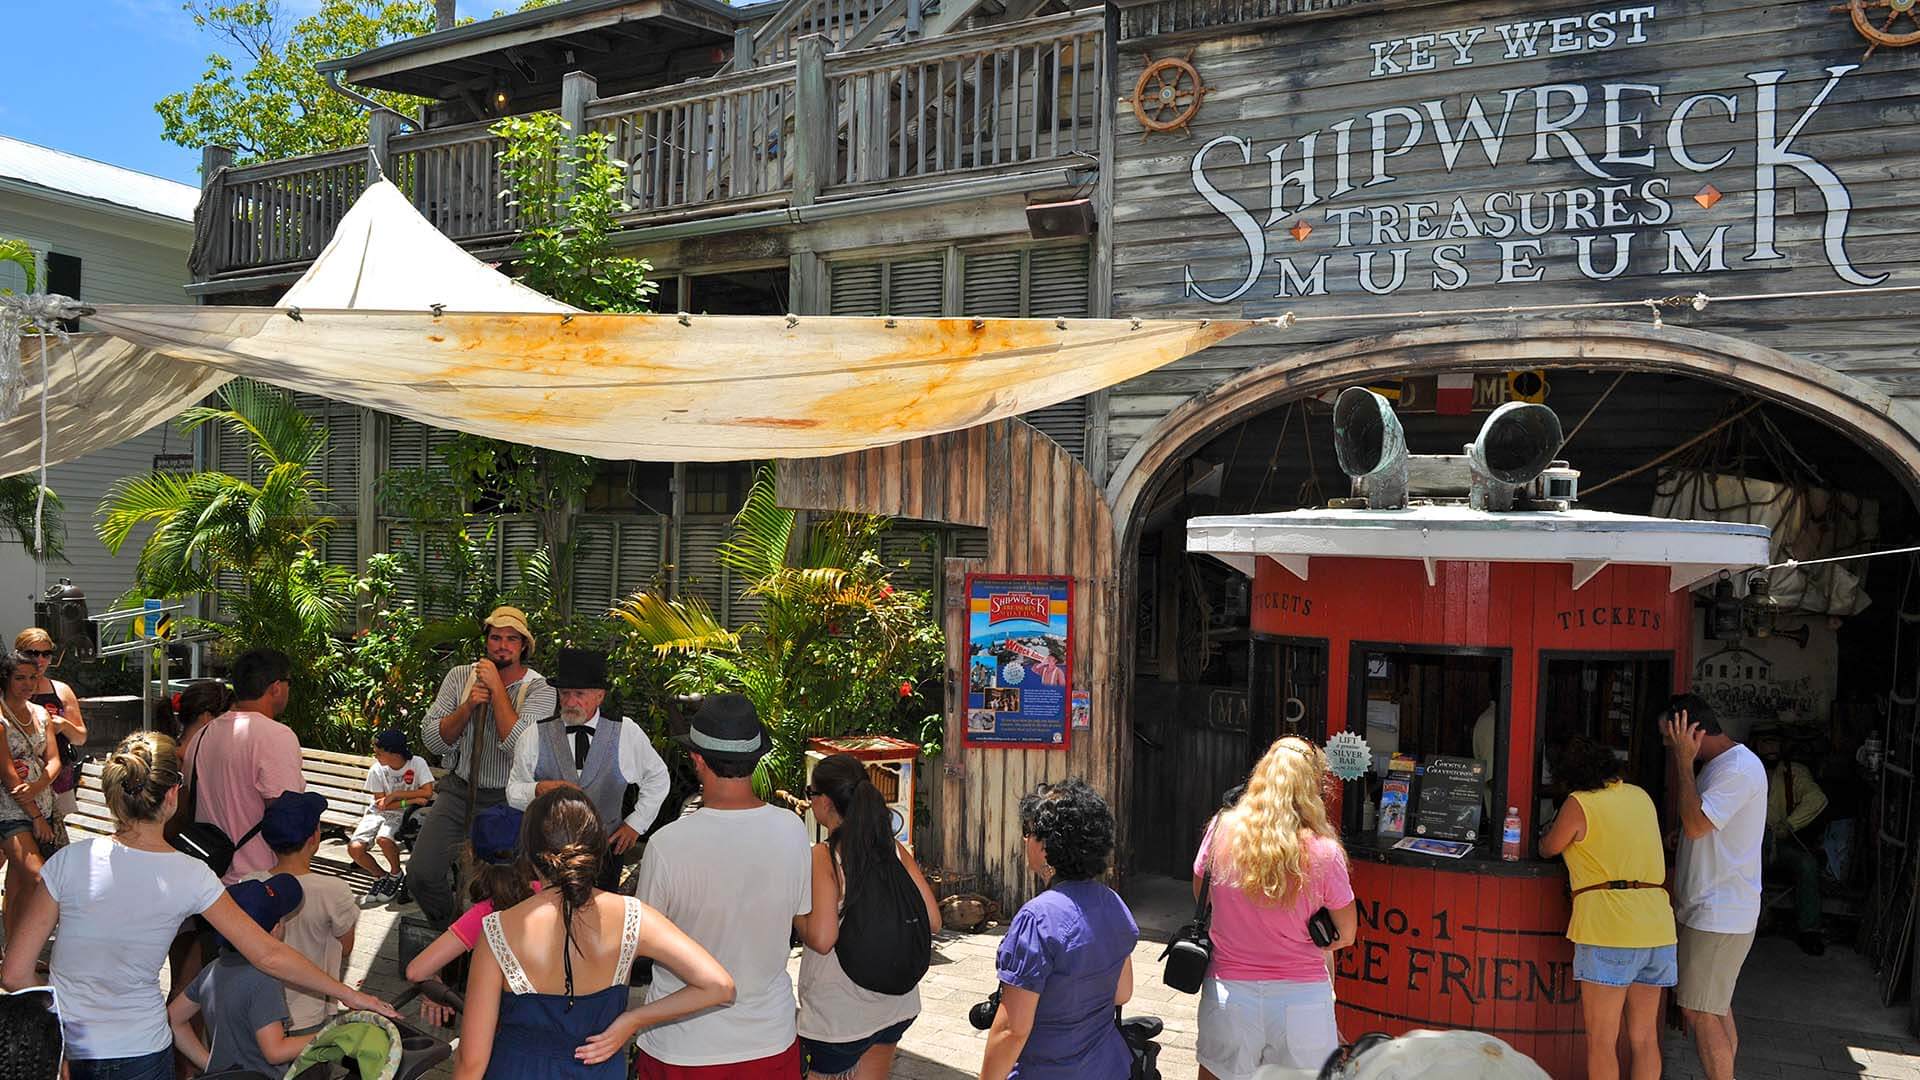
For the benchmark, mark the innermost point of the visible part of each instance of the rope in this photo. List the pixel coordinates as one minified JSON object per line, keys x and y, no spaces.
{"x":1791,"y":564}
{"x":39,"y":315}
{"x":1697,"y":439}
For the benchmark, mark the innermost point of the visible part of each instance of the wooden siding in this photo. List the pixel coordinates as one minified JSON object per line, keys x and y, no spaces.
{"x":1043,"y":515}
{"x":1298,"y":76}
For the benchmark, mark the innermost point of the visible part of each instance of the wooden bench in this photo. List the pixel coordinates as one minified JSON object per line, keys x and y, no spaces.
{"x":342,"y":778}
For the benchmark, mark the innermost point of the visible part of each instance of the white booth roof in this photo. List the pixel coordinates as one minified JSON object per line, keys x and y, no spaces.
{"x":1588,"y":540}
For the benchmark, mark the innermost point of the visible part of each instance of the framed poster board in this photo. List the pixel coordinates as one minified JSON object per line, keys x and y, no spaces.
{"x":1019,"y":661}
{"x":1450,"y":789}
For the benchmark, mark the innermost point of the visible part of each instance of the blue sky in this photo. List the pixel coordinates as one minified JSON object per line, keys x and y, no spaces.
{"x":89,"y":72}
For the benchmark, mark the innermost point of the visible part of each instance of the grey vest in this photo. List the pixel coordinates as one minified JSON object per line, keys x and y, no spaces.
{"x":600,"y":779}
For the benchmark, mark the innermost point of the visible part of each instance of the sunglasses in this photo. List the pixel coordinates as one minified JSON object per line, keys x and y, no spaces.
{"x":37,"y":654}
{"x":814,"y":792}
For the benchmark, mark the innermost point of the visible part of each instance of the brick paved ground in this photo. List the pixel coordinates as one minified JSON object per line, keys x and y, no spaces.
{"x":1800,"y":1017}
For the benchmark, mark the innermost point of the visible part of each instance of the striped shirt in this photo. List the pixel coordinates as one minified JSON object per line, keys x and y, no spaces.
{"x":493,"y":758}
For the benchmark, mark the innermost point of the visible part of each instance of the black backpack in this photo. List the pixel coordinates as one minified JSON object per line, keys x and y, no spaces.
{"x":885,"y":943}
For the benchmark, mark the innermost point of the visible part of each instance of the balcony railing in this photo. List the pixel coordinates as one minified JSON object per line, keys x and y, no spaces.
{"x":819,"y":125}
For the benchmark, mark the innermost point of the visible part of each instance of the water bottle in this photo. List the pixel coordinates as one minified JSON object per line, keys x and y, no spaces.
{"x":1510,"y":836}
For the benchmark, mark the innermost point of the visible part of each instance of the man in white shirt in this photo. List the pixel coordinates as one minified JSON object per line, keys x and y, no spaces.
{"x":607,"y":757}
{"x":1723,"y":821}
{"x":732,"y":875}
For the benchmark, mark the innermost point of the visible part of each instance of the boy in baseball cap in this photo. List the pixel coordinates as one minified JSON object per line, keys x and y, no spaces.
{"x":397,"y":779}
{"x":322,"y":928}
{"x":246,"y":1011}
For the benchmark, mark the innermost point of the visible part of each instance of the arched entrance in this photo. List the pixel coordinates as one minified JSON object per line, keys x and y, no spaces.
{"x":1883,"y":426}
{"x":1200,"y":460}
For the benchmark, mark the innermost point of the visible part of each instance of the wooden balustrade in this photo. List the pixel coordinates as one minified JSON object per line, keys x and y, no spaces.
{"x":452,"y":176}
{"x":821,"y":123}
{"x":1004,"y":96}
{"x":709,"y":143}
{"x":283,"y":211}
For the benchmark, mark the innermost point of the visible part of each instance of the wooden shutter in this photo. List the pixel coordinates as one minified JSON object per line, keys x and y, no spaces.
{"x":594,"y":543}
{"x":699,"y":571}
{"x":912,"y":557}
{"x":991,"y":285}
{"x":917,"y":286}
{"x":518,"y":539}
{"x":403,"y":539}
{"x":855,"y":289}
{"x":643,"y":554}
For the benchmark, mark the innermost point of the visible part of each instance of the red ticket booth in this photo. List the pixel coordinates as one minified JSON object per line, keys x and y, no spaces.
{"x":1458,"y":644}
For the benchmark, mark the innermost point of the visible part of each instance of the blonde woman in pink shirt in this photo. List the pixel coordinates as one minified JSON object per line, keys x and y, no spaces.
{"x":1274,"y":861}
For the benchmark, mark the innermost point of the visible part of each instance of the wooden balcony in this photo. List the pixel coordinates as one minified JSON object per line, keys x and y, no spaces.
{"x":815,"y":128}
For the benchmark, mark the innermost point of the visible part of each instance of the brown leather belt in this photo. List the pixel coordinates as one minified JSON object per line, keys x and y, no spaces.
{"x":1619,"y":885}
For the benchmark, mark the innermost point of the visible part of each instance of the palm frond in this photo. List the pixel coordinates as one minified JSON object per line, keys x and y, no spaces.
{"x":675,"y":626}
{"x":18,"y":498}
{"x":757,"y":545}
{"x":135,"y":500}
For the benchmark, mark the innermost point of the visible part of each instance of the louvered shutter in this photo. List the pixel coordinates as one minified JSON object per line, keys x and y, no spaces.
{"x":406,"y":443}
{"x":595,"y":549}
{"x":967,"y":544}
{"x":990,"y":285}
{"x":912,"y":557}
{"x":1057,"y":283}
{"x":519,"y":540}
{"x":917,"y":286}
{"x":403,"y":539}
{"x":855,"y":289}
{"x":700,"y":572}
{"x":643,"y":553}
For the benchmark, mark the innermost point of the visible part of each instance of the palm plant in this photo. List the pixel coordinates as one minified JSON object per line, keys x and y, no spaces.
{"x":255,"y":546}
{"x":832,"y":643}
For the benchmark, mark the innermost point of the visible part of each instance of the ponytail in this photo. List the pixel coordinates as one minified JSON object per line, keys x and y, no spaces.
{"x":864,"y":840}
{"x":565,"y":845}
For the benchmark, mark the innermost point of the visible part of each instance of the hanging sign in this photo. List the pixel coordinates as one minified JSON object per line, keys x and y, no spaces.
{"x":1019,"y":644}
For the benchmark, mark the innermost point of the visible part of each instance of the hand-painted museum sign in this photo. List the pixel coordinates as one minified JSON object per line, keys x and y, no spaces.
{"x":1019,"y":645}
{"x":1649,"y":156}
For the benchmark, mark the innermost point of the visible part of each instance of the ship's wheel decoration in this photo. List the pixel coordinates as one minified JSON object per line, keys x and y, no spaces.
{"x":1168,"y":94}
{"x":1874,"y":19}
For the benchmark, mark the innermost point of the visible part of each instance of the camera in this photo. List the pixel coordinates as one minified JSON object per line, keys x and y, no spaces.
{"x":981,"y":1015}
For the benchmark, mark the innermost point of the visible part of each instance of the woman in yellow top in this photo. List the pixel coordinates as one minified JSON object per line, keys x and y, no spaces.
{"x":1622,"y":927}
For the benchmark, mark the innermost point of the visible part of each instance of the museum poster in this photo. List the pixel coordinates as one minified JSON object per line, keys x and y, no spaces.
{"x":1019,"y":638}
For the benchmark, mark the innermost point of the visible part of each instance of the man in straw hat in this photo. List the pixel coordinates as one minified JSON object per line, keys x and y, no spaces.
{"x":606,"y":756}
{"x":482,"y":710}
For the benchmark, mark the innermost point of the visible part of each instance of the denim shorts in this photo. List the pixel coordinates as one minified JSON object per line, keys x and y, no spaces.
{"x":832,"y":1059}
{"x":1624,"y":967}
{"x":9,"y":826}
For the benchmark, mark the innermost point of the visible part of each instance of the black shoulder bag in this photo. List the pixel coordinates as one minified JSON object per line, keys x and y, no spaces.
{"x":1190,"y":952}
{"x":203,"y":839}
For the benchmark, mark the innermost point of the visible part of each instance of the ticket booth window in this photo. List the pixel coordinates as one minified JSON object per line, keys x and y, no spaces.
{"x":1418,"y":707}
{"x":1611,"y":698}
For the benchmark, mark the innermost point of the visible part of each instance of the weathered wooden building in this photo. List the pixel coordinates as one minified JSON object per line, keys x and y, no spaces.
{"x":1394,"y":176}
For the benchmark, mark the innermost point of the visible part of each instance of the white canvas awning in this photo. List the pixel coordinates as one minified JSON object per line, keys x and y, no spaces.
{"x":396,"y":317}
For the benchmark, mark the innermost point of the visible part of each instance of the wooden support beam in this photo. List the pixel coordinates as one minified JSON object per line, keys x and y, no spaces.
{"x":813,"y":150}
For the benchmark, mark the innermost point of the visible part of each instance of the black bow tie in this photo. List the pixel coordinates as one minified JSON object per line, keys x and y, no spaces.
{"x":582,"y":737}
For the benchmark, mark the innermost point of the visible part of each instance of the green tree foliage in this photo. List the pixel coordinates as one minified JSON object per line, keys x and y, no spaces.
{"x":260,"y":94}
{"x":254,"y":546}
{"x":836,"y":649}
{"x":567,"y":193}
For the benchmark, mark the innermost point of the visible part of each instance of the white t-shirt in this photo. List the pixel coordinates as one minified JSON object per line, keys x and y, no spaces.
{"x":1717,"y":882}
{"x":119,"y":911}
{"x":732,"y":880}
{"x":382,"y":780}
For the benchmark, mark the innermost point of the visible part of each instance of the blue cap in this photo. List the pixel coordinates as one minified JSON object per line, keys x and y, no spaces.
{"x":496,"y":834}
{"x":392,"y":740}
{"x":291,"y":819}
{"x":267,"y":902}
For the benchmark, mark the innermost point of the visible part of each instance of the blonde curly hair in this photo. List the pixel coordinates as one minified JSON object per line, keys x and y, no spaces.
{"x":1259,"y":844}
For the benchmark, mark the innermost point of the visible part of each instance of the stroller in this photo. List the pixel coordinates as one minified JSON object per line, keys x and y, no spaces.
{"x":420,"y":1050}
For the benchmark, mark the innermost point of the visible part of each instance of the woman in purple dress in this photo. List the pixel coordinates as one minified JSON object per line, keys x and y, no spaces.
{"x":1067,"y":959}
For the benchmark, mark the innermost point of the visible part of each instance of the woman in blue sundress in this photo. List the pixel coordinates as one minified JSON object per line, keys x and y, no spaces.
{"x":547,"y":992}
